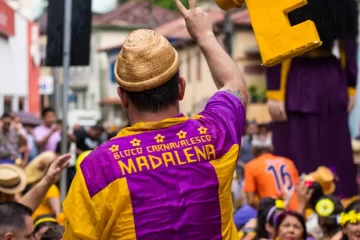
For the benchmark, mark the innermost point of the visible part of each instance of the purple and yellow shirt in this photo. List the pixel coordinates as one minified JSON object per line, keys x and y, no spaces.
{"x":163,"y":180}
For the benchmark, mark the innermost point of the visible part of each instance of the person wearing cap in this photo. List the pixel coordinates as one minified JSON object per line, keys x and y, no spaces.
{"x":267,"y":175}
{"x":42,"y":223}
{"x":167,"y":176}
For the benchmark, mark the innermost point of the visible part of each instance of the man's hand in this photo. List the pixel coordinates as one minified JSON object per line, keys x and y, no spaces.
{"x":277,"y":110}
{"x":54,"y":172}
{"x":304,"y":196}
{"x":55,"y":128}
{"x":198,"y":23}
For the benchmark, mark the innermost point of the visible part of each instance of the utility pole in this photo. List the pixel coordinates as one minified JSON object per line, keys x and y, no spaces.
{"x":151,"y":14}
{"x":228,"y":29}
{"x":65,"y":99}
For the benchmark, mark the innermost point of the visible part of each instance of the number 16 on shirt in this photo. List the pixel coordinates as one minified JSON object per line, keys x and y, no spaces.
{"x":281,"y":176}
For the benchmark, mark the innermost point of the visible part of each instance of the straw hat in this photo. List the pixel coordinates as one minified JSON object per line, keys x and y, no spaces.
{"x":325,"y":178}
{"x":147,"y":60}
{"x":37,"y":168}
{"x":356,"y":150}
{"x":12,"y":179}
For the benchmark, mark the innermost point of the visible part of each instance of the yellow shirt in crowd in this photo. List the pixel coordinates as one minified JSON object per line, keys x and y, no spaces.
{"x":45,"y":207}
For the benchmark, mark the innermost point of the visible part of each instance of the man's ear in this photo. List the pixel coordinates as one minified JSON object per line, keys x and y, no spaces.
{"x":123,"y":98}
{"x":182,"y":86}
{"x":8,"y":236}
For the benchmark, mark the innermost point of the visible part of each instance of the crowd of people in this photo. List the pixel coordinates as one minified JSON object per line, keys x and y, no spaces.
{"x":26,"y":154}
{"x":169,"y":176}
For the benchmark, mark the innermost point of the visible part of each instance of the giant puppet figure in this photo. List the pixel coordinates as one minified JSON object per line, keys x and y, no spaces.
{"x":309,"y":96}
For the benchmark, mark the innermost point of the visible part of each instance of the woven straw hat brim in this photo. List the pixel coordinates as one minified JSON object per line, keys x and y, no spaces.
{"x":146,"y":61}
{"x":19,"y":187}
{"x":32,"y":171}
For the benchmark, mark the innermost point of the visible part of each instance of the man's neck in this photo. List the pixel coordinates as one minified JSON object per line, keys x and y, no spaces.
{"x":138,"y":116}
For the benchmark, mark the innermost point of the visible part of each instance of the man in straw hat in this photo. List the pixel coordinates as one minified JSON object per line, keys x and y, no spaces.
{"x":13,"y":181}
{"x":166,"y":176}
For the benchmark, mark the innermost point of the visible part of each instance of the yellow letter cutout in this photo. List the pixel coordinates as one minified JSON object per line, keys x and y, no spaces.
{"x":277,"y":39}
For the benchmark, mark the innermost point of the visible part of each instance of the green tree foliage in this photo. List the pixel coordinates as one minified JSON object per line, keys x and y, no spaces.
{"x":170,"y":4}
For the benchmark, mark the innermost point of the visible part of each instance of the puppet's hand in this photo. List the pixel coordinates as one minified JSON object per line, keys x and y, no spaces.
{"x":277,"y":110}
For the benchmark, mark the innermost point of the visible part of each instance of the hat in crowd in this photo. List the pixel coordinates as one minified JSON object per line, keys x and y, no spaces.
{"x":37,"y":168}
{"x":146,"y":61}
{"x":12,"y":179}
{"x":355,"y":144}
{"x":261,"y":142}
{"x":325,"y":177}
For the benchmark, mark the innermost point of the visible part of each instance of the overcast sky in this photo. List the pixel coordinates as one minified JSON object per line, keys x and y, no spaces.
{"x":97,"y":5}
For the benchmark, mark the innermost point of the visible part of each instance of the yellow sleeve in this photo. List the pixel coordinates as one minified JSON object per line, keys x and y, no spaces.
{"x":80,"y":217}
{"x":351,"y":91}
{"x":53,"y":192}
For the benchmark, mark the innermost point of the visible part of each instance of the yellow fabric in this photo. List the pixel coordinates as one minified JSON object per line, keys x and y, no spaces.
{"x":45,"y":207}
{"x":279,"y":95}
{"x":222,"y":169}
{"x":277,"y":39}
{"x":351,"y":92}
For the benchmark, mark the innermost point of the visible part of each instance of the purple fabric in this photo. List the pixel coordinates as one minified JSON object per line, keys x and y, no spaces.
{"x":273,"y":77}
{"x":177,"y":199}
{"x":42,"y":131}
{"x":316,"y":132}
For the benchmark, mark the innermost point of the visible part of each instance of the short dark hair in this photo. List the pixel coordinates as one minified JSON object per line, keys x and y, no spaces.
{"x":53,"y":233}
{"x":46,"y":111}
{"x":157,"y":99}
{"x":12,"y":216}
{"x":6,"y":115}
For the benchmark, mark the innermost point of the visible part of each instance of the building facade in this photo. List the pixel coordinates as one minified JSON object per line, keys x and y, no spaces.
{"x":18,"y":62}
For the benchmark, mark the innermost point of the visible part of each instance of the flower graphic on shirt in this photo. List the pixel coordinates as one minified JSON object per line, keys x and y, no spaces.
{"x":135,"y":142}
{"x":159,"y":138}
{"x":202,"y":130}
{"x":114,"y":148}
{"x":181,"y":134}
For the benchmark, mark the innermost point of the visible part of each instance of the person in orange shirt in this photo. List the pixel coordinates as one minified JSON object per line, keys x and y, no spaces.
{"x":268,"y":175}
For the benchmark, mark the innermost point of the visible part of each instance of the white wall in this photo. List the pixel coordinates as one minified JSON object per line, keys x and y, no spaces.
{"x":14,"y":63}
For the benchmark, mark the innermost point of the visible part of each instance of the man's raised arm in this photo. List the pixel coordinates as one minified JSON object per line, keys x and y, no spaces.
{"x":224,"y":70}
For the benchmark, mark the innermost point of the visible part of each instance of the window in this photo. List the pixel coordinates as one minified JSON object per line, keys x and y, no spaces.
{"x":21,"y":104}
{"x":254,"y":69}
{"x":7,"y":104}
{"x":112,"y":74}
